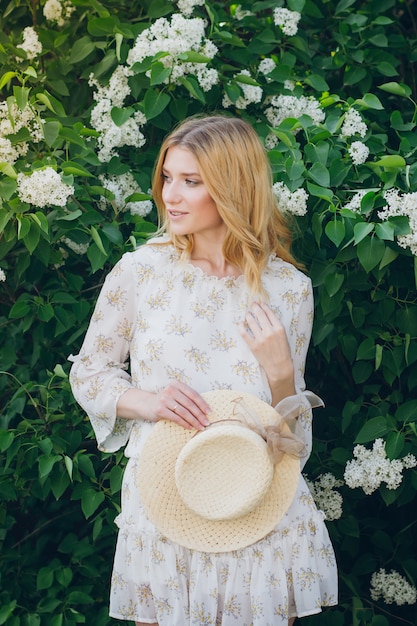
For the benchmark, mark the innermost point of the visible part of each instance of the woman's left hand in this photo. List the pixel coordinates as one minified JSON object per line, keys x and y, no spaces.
{"x":265,"y":335}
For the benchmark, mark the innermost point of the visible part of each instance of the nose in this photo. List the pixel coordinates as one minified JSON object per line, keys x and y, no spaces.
{"x":171,"y":193}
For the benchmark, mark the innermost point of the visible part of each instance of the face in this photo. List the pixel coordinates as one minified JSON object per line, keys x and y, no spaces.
{"x":190,"y":208}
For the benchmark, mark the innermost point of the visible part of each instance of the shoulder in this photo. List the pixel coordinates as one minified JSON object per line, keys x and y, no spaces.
{"x":286,"y":274}
{"x":157,"y":252}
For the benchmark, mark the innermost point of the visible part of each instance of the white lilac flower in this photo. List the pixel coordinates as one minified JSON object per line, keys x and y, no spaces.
{"x":370,"y":468}
{"x":402,"y":204}
{"x":353,"y":124}
{"x":31,"y":44}
{"x":324,"y":495}
{"x":8,"y":154}
{"x":241,"y":13}
{"x":2,"y":275}
{"x":354,"y":203}
{"x":43,"y":188}
{"x":289,"y":85}
{"x":281,"y":107}
{"x":186,"y":7}
{"x":392,"y":588}
{"x":78,"y":248}
{"x":359,"y":152}
{"x":175,"y":38}
{"x":113,"y":136}
{"x":266,"y":66}
{"x":13,"y":119}
{"x":122,"y":187}
{"x":251,"y":94}
{"x":271,"y":140}
{"x":294,"y":202}
{"x":58,"y":11}
{"x":287,"y":20}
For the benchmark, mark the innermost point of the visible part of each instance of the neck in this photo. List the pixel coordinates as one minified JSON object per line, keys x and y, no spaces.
{"x":213,"y":263}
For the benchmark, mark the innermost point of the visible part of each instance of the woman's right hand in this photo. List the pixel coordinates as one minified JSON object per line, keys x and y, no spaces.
{"x":177,"y":402}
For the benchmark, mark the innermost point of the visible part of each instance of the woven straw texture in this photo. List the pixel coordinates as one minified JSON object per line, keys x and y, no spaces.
{"x":174,"y":519}
{"x":210,"y":475}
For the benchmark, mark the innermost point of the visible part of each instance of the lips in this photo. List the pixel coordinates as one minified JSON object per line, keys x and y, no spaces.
{"x":176,"y":214}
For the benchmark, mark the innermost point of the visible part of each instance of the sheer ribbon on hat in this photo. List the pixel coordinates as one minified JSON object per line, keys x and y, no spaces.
{"x":286,"y":436}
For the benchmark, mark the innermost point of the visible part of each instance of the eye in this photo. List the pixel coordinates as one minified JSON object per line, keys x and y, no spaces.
{"x":165,"y":177}
{"x":191,"y":183}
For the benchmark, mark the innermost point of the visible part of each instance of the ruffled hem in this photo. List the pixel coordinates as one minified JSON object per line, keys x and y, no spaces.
{"x":289,"y":573}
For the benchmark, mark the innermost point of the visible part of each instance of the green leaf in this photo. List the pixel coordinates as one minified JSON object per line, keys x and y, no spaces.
{"x":31,"y":239}
{"x":398,"y":89}
{"x":22,"y":96}
{"x":333,"y":282}
{"x":71,"y":167}
{"x":23,"y":226}
{"x":394,"y":445}
{"x":390,"y":160}
{"x":385,"y":230}
{"x":81,"y":50}
{"x":20,"y":309}
{"x":121,"y":115}
{"x":246,"y":80}
{"x":97,"y":240}
{"x":370,"y":252}
{"x":45,"y":578}
{"x":320,"y":174}
{"x":193,"y":57}
{"x":193,"y":87}
{"x":8,"y":76}
{"x":320,"y":192}
{"x":69,"y":465}
{"x":51,"y":131}
{"x":335,"y":231}
{"x":6,"y":439}
{"x":8,"y":187}
{"x":90,"y":501}
{"x":317,"y":82}
{"x":159,"y":73}
{"x":51,"y":103}
{"x":373,"y":429}
{"x":6,"y":611}
{"x":366,"y":350}
{"x":370,"y":101}
{"x":362,"y":230}
{"x":72,"y":136}
{"x":46,"y":464}
{"x":96,"y":257}
{"x":8,"y":170}
{"x":154,"y":103}
{"x":389,"y":256}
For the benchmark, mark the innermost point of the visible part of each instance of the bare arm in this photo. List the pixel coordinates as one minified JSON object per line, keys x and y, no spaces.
{"x":176,"y":402}
{"x":267,"y":339}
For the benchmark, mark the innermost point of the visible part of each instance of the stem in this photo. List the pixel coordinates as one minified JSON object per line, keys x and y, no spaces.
{"x":31,"y":398}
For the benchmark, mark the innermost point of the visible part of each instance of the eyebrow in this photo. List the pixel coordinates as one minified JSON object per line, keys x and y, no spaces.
{"x":164,"y":169}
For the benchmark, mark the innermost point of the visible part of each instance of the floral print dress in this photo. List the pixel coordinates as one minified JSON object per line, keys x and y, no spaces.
{"x":157,"y":319}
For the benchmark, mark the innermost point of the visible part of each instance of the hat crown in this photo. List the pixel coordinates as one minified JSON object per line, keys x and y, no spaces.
{"x":224,"y":471}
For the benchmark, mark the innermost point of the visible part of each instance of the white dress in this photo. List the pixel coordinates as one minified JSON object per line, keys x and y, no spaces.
{"x":159,"y":319}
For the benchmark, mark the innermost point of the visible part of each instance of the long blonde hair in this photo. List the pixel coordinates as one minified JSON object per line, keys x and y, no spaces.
{"x":234,"y":167}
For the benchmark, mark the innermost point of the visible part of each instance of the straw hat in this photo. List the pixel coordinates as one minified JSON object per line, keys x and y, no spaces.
{"x":219,"y":489}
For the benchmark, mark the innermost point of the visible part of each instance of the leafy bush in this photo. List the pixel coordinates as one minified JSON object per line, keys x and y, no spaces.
{"x":88,"y":93}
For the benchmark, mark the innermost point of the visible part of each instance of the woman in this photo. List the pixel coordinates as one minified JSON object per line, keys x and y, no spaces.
{"x":216,"y":302}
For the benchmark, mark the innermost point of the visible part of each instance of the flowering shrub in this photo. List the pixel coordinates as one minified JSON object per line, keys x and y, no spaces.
{"x":88,"y":91}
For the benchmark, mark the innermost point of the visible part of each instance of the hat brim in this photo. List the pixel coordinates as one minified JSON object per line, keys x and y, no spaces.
{"x":170,"y":515}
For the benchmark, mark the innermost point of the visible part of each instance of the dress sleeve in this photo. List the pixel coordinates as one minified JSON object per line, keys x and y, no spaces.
{"x":299,"y":335}
{"x":99,"y":374}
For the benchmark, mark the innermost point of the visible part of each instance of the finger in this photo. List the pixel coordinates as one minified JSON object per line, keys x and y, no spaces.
{"x":186,"y":406}
{"x":264,"y":315}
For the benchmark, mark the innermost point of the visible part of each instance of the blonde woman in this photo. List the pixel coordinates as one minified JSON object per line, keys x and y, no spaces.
{"x":216,"y":301}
